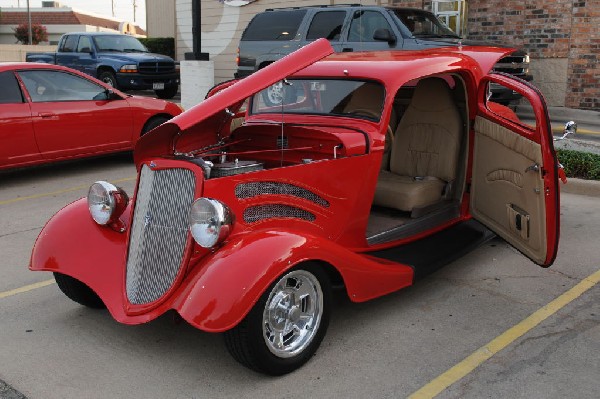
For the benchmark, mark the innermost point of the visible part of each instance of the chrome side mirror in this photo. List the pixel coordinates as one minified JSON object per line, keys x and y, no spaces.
{"x":570,"y":128}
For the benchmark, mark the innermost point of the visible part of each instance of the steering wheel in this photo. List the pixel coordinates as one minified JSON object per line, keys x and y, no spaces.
{"x":365,"y":112}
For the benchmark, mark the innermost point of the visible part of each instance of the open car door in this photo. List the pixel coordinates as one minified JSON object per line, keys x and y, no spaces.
{"x":514,"y":184}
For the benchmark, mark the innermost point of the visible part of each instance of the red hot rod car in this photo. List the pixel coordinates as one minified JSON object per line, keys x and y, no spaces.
{"x":373,"y":171}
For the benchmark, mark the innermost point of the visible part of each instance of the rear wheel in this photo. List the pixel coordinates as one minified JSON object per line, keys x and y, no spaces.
{"x":167,"y":93}
{"x":286,"y":326}
{"x":78,"y":292}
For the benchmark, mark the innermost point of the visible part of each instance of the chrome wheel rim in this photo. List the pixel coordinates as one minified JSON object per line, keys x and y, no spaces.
{"x":293,"y":313}
{"x":108,"y":80}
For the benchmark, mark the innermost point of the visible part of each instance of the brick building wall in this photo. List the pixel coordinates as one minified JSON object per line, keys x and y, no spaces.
{"x":584,"y":62}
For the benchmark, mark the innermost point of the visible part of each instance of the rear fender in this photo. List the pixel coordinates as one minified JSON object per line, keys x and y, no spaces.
{"x":224,"y":288}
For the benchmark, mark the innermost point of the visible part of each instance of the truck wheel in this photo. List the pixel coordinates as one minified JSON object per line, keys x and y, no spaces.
{"x":167,"y":93}
{"x":287,"y":324}
{"x":109,"y":78}
{"x":78,"y":292}
{"x":154,"y":122}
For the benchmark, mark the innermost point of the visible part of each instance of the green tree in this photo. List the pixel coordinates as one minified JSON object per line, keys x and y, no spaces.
{"x":38,"y":33}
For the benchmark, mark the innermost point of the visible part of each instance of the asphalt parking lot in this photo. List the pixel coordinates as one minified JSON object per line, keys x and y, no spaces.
{"x":491,"y":324}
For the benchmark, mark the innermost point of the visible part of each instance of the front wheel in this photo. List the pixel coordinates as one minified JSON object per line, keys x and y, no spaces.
{"x":109,"y":78}
{"x":286,"y":326}
{"x":78,"y":292}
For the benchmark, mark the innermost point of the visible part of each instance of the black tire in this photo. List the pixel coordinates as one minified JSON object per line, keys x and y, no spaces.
{"x":109,"y":78}
{"x":252,"y":341}
{"x":167,"y":93}
{"x":153,"y":123}
{"x":78,"y":292}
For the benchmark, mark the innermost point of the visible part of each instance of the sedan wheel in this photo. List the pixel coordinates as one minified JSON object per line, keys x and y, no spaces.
{"x":286,"y":326}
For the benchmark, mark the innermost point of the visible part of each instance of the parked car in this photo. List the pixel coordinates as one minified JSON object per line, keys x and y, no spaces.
{"x":274,"y":33}
{"x":118,"y":60}
{"x":378,"y":169}
{"x":51,"y":113}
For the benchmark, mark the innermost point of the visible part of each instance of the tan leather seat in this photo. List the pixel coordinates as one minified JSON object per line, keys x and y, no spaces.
{"x":424,"y":152}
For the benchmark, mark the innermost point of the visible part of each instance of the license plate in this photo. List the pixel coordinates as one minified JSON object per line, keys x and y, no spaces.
{"x":158,"y":86}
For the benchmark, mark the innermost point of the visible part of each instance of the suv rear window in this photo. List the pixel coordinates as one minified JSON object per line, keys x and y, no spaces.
{"x":327,"y":24}
{"x":274,"y":25}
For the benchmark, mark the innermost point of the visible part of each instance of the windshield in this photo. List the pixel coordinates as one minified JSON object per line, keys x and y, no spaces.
{"x":121,"y":43}
{"x":361,"y":99}
{"x":423,"y":24}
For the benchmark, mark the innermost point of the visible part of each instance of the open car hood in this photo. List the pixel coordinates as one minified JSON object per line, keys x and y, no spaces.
{"x":207,"y":118}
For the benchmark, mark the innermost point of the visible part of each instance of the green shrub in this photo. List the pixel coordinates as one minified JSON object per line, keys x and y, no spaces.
{"x":160,"y":45}
{"x":580,"y":164}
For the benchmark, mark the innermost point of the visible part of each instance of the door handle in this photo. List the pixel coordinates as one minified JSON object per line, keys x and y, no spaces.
{"x":46,"y":114}
{"x":533,"y":168}
{"x":347,"y":50}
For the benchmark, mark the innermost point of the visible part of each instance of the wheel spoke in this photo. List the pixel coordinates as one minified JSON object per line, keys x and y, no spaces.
{"x":278,"y":340}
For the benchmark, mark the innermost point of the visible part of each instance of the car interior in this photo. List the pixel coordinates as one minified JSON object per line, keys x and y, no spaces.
{"x":420,"y":182}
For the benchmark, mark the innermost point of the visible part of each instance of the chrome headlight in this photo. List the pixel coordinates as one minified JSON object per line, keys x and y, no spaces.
{"x":211,"y":221}
{"x":106,"y":202}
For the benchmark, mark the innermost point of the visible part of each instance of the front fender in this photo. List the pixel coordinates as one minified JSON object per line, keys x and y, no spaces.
{"x":226,"y":286}
{"x":71,"y":243}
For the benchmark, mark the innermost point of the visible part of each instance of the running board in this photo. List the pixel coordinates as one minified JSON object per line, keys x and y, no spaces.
{"x":431,"y":253}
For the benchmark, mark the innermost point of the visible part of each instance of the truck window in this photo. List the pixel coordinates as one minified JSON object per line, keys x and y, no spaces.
{"x":11,"y":92}
{"x":364,"y":24}
{"x":84,"y":45}
{"x":274,"y":25}
{"x":69,"y":44}
{"x":327,"y":24}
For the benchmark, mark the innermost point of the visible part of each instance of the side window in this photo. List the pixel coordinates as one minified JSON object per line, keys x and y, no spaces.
{"x":364,"y":24}
{"x":84,"y":45}
{"x":327,"y":24}
{"x":45,"y":86}
{"x":274,"y":25}
{"x":510,"y":105}
{"x":69,"y":44}
{"x":11,"y":92}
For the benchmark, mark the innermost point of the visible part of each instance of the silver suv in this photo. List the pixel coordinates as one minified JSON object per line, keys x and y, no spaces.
{"x":275,"y":33}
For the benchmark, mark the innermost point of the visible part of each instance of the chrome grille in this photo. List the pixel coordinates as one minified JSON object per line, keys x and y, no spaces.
{"x":154,"y":67}
{"x":261,"y":212}
{"x":253,"y":189}
{"x":159,"y":232}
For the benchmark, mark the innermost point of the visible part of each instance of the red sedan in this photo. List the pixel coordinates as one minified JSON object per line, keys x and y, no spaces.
{"x":51,"y":113}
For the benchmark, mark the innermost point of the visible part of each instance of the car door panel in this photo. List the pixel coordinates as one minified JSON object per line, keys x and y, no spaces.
{"x":81,"y":127}
{"x":71,"y":115}
{"x":514,"y":181}
{"x":17,"y":140}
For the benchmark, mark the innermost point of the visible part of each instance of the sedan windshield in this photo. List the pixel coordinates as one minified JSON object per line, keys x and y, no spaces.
{"x":423,"y":24}
{"x":354,"y":98}
{"x":119,"y":43}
